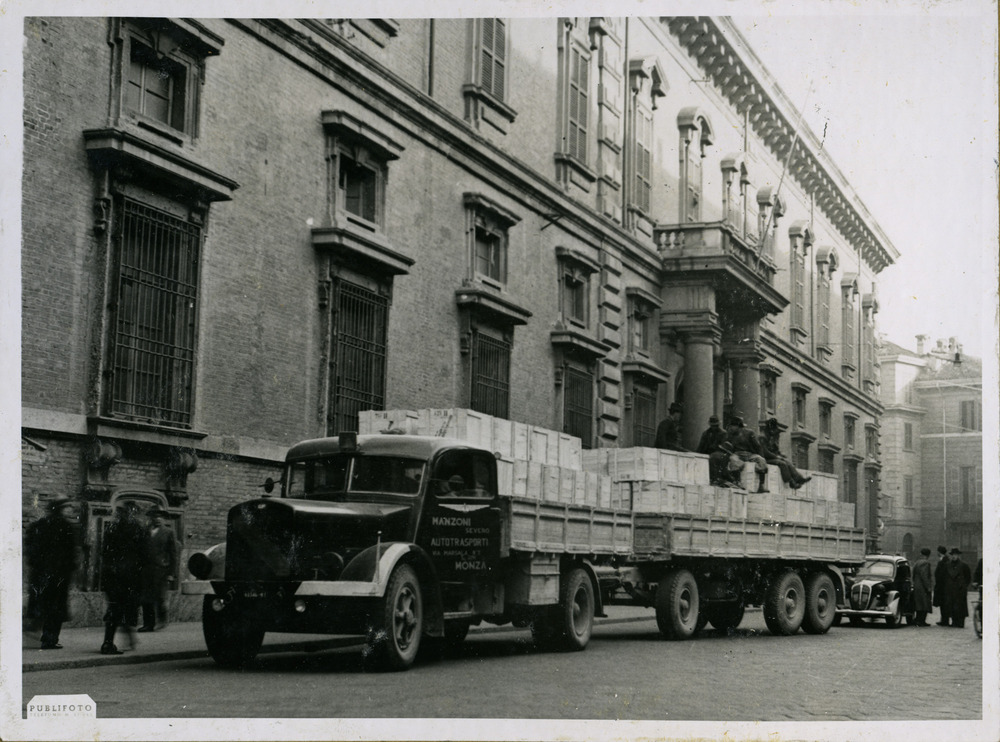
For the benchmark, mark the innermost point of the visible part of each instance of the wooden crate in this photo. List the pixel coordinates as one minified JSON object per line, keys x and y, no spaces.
{"x":669,"y":464}
{"x":765,"y":506}
{"x":570,"y":450}
{"x":798,"y":510}
{"x":505,"y":477}
{"x":595,"y":460}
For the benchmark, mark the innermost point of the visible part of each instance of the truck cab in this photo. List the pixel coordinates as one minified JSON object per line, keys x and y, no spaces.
{"x":391,"y":536}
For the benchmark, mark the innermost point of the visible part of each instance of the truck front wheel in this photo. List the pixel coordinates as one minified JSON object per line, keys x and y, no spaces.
{"x":393,"y":641}
{"x":576,"y":610}
{"x":821,"y":604}
{"x":677,"y":604}
{"x":784,"y":604}
{"x":232,"y":640}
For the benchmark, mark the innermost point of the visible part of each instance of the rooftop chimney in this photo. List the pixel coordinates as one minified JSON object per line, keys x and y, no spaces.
{"x":920,"y":344}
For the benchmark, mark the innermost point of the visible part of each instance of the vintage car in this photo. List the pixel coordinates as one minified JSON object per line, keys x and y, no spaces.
{"x":882,"y":588}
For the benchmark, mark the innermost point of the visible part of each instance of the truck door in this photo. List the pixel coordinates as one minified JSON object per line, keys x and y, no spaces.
{"x":461,"y":520}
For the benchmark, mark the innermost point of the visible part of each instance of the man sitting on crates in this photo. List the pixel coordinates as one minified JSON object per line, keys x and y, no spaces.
{"x":748,"y":448}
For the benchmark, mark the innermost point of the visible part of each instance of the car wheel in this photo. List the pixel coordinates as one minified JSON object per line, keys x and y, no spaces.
{"x":784,"y":604}
{"x":677,"y":604}
{"x":821,"y":604}
{"x":895,"y":618}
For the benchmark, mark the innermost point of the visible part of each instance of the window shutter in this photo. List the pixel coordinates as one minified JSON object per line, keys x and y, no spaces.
{"x":486,"y":67}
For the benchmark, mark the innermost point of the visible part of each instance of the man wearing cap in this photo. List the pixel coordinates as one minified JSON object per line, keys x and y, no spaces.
{"x":123,"y":553}
{"x":52,"y":550}
{"x":922,"y":588}
{"x":772,"y":454}
{"x":748,"y":448}
{"x":161,"y":560}
{"x":709,"y":443}
{"x":941,"y":584}
{"x":957,"y":592}
{"x":668,"y":432}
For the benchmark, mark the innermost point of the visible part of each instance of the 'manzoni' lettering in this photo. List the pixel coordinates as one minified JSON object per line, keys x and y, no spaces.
{"x":440,"y":520}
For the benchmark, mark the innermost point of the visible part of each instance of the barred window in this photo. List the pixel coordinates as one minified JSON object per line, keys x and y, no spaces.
{"x":359,"y":355}
{"x":155,"y":314}
{"x":490,"y":374}
{"x":578,"y":405}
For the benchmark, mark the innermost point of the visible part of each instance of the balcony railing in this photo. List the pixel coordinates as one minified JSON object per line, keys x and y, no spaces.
{"x":713,"y":240}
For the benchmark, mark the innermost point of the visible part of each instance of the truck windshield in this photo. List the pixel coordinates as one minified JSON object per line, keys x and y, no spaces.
{"x":335,"y":477}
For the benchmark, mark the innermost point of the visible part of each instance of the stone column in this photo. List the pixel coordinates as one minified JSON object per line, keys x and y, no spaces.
{"x":699,"y":384}
{"x":746,"y":387}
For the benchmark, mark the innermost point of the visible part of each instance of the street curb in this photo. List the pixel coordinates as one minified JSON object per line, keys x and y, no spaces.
{"x":313,"y":645}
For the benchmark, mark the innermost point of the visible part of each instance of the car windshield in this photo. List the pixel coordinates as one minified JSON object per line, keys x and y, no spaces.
{"x":877,"y":569}
{"x":335,"y":477}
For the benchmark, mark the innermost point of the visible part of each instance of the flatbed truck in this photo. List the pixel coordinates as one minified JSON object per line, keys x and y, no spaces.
{"x":406,"y":541}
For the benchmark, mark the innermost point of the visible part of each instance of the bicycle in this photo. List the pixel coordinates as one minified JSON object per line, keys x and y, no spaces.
{"x":977,"y":614}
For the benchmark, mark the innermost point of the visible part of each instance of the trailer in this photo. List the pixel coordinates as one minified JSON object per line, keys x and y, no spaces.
{"x":408,"y":541}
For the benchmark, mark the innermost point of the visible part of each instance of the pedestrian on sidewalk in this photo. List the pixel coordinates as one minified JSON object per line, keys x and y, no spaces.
{"x":941,"y":584}
{"x":52,"y":550}
{"x":160,"y":562}
{"x":121,"y":574}
{"x":957,"y":592}
{"x":922,"y":582}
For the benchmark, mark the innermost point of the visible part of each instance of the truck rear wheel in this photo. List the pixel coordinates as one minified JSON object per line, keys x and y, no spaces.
{"x":393,"y":641}
{"x":726,"y":616}
{"x":784,"y":604}
{"x":677,"y":604}
{"x":232,"y":640}
{"x":576,"y":610}
{"x":821,"y":604}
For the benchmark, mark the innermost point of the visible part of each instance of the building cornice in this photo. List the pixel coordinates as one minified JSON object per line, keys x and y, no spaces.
{"x":718,"y":48}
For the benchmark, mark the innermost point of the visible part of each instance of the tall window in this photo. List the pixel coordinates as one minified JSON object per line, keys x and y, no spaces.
{"x":157,"y":86}
{"x":907,"y":436}
{"x":849,"y":426}
{"x":908,"y":492}
{"x":357,"y":184}
{"x":493,"y":57}
{"x":799,"y":394}
{"x":800,"y":240}
{"x":640,"y":322}
{"x":696,"y":136}
{"x":826,"y":461}
{"x":825,"y":419}
{"x":848,"y":326}
{"x":801,"y":453}
{"x":643,"y":416}
{"x":970,"y":415}
{"x":967,"y":486}
{"x":155,"y":312}
{"x":578,"y":406}
{"x":488,"y":225}
{"x":851,"y":481}
{"x":826,"y":264}
{"x":871,"y":442}
{"x":643,"y":184}
{"x":646,"y":85}
{"x":357,"y":374}
{"x":490,"y":374}
{"x":579,"y":104}
{"x":575,"y":271}
{"x":768,"y":389}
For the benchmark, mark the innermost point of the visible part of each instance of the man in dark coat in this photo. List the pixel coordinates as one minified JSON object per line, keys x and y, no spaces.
{"x":941,"y":584}
{"x":957,"y":592}
{"x":121,"y":574}
{"x":770,"y":450}
{"x":668,"y":432}
{"x":718,"y":460}
{"x":748,"y":448}
{"x":161,"y":560}
{"x":922,"y":582}
{"x":52,"y":550}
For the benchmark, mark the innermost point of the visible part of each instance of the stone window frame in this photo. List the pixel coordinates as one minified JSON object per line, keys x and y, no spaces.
{"x":646,"y":85}
{"x":574,"y":155}
{"x":770,"y":208}
{"x":825,"y":407}
{"x":179,"y":44}
{"x":484,"y":216}
{"x":486,"y":100}
{"x":768,"y":390}
{"x":908,"y":492}
{"x":827,"y":262}
{"x":800,"y":239}
{"x":575,"y":271}
{"x":907,"y":436}
{"x":696,"y":135}
{"x":872,"y":442}
{"x":737,"y":206}
{"x":851,"y":430}
{"x":849,"y":307}
{"x":642,"y":308}
{"x":800,"y":395}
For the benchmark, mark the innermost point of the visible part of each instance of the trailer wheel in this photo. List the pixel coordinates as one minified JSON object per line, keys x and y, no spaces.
{"x":727,"y":616}
{"x":393,"y":641}
{"x":784,"y":604}
{"x":677,"y":604}
{"x":576,"y":610}
{"x":821,"y":604}
{"x":232,"y":640}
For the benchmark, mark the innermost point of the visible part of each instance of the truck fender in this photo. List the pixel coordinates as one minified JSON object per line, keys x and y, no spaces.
{"x":839,"y":583}
{"x":598,"y":598}
{"x":363,"y":568}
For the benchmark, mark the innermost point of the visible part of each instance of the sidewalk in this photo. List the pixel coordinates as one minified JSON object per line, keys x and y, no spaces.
{"x":180,"y":641}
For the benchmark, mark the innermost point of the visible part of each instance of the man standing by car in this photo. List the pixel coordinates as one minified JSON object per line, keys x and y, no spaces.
{"x":957,"y":592}
{"x":940,"y":584}
{"x":922,"y":582}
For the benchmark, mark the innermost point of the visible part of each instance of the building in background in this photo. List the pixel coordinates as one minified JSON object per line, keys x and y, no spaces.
{"x":239,"y":233}
{"x":932,"y":448}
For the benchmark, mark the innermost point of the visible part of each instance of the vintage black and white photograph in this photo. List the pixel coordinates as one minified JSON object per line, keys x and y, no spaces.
{"x":486,"y":371}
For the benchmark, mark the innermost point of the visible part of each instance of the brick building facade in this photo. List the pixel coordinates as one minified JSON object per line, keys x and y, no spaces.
{"x":239,"y":233}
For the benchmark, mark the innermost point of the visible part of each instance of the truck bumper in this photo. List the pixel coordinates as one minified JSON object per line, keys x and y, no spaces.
{"x":848,"y":612}
{"x":325,"y":589}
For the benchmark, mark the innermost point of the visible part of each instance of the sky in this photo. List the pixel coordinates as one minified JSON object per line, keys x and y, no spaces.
{"x":906,"y":100}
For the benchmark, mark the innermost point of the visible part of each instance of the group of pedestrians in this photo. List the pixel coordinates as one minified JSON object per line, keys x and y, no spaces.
{"x":138,"y":556}
{"x":947,"y":589}
{"x":731,"y":448}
